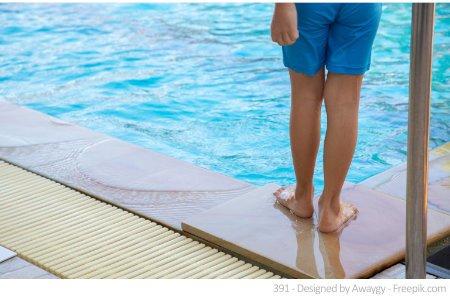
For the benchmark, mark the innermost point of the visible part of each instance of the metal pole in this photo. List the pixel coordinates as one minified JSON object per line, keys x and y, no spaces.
{"x":418,"y":131}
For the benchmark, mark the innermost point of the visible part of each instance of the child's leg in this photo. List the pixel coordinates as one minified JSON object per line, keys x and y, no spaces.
{"x":306,"y":103}
{"x":348,"y":57}
{"x":342,"y":103}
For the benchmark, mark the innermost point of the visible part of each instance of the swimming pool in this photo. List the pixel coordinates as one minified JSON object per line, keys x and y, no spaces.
{"x":203,"y":82}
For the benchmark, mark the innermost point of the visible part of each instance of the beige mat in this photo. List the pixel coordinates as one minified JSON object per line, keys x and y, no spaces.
{"x":75,"y":236}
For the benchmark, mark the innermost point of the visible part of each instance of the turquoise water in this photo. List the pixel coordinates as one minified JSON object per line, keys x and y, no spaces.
{"x":203,"y":82}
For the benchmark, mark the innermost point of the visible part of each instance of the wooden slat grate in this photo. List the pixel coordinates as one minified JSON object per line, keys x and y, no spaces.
{"x":73,"y":235}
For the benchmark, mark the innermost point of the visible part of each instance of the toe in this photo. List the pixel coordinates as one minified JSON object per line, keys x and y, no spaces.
{"x":278,"y":192}
{"x":349,"y":209}
{"x":349,"y":213}
{"x":287,"y":193}
{"x":283,"y":196}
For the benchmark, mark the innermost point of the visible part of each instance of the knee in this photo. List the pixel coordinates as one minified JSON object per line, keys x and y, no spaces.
{"x":342,"y":100}
{"x":341,"y":103}
{"x":342,"y":91}
{"x":308,"y":98}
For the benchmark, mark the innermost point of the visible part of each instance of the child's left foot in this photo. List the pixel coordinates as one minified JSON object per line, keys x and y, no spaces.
{"x":300,"y":204}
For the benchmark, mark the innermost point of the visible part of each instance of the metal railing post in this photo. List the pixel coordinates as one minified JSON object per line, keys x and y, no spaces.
{"x":418,"y":132}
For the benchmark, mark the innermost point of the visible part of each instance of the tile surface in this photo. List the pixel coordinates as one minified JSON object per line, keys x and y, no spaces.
{"x":17,"y":268}
{"x":255,"y":226}
{"x":393,"y":181}
{"x":154,"y":185}
{"x":6,"y":254}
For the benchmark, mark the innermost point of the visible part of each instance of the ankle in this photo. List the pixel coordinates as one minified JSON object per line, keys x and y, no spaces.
{"x":304,"y":194}
{"x":304,"y":189}
{"x":331,"y":195}
{"x":330,"y":204}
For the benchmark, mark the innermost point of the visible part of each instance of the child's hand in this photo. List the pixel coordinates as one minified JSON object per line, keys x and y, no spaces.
{"x":284,"y":24}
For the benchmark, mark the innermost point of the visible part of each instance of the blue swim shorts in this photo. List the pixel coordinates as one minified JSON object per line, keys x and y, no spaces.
{"x":336,"y":35}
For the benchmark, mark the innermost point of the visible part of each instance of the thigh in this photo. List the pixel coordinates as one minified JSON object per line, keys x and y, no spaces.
{"x":307,"y":55}
{"x":351,"y":38}
{"x":307,"y":88}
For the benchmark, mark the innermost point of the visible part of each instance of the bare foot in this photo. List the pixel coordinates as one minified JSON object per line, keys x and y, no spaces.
{"x":299,"y":204}
{"x":331,"y":219}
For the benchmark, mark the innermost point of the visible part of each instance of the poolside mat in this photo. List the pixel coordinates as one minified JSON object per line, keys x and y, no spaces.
{"x":73,"y":235}
{"x":254,"y":226}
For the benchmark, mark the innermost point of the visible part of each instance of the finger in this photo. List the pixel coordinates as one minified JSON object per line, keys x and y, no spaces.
{"x":274,"y":36}
{"x":279,"y":39}
{"x":293,"y":35}
{"x":286,"y":39}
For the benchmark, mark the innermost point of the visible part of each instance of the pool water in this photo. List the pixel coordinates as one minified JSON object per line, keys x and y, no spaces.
{"x":203,"y":82}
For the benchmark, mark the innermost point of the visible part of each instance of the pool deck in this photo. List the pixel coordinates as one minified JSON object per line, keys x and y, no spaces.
{"x":393,"y":181}
{"x":154,"y":185}
{"x":172,"y":192}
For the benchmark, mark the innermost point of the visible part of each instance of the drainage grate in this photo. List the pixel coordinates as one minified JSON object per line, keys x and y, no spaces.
{"x":438,"y":264}
{"x":73,"y":235}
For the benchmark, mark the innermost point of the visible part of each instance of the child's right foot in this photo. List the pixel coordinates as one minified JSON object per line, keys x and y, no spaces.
{"x":331,"y":220}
